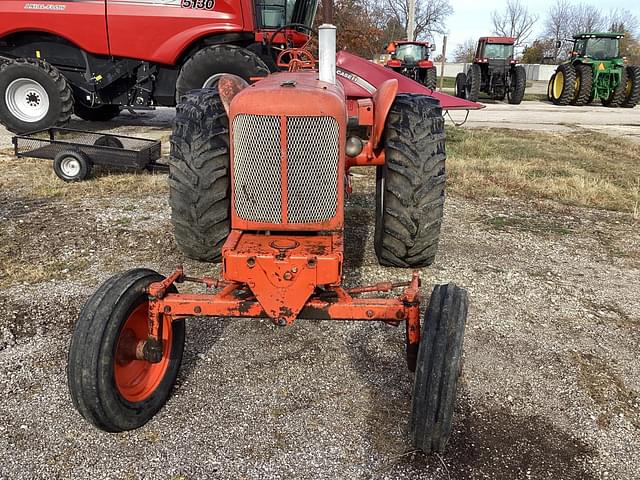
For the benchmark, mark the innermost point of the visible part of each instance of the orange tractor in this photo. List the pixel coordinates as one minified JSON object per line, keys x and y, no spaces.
{"x":258,"y":175}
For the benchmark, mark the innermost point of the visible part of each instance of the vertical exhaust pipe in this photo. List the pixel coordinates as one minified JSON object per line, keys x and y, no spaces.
{"x":327,"y":53}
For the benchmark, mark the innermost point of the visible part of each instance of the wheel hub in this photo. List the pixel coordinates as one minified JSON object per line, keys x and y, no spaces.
{"x":27,"y":100}
{"x":70,"y":167}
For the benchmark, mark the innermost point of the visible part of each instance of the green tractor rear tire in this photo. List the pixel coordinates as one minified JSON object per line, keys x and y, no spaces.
{"x":584,"y":85}
{"x":617,"y":95}
{"x":632,"y":88}
{"x":550,"y":88}
{"x":564,"y":84}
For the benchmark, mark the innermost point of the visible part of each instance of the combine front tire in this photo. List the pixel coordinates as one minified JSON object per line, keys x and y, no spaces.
{"x":410,"y":185}
{"x":584,"y":81}
{"x":518,"y":84}
{"x":204,"y":68}
{"x":632,"y":89}
{"x":617,"y":95}
{"x":108,"y":385}
{"x":34,"y":95}
{"x":461,"y":82}
{"x":438,"y":368}
{"x":564,"y":82}
{"x":472,"y":87}
{"x":199,"y":185}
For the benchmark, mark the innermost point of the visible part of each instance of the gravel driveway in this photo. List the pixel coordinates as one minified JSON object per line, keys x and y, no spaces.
{"x":551,"y":372}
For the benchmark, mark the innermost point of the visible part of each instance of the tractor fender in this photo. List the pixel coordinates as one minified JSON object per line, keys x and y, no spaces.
{"x":228,"y":87}
{"x":382,"y":100}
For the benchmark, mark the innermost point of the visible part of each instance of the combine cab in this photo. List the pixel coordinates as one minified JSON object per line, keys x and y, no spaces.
{"x":595,"y":71}
{"x":494,"y":72}
{"x":411,"y":59}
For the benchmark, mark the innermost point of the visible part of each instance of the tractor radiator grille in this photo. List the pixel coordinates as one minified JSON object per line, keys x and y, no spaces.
{"x":312,"y":168}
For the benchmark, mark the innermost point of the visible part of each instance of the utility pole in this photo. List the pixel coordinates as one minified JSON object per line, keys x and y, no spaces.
{"x":411,"y":20}
{"x":444,"y":58}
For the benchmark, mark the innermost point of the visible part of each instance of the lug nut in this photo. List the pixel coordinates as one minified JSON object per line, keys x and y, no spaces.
{"x":287,"y":276}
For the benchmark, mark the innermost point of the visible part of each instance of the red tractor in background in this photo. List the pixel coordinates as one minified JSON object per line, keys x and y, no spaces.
{"x":95,"y":57}
{"x":411,"y":59}
{"x":258,"y":179}
{"x":494,"y":72}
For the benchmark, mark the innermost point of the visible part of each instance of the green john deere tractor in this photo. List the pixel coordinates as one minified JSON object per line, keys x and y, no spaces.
{"x":595,"y":71}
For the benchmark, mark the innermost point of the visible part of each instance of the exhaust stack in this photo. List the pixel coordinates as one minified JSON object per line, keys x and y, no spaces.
{"x":327,"y":53}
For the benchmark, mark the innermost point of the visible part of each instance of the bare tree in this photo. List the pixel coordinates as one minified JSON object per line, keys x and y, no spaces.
{"x":622,"y":20}
{"x":586,"y":18}
{"x":465,"y":51}
{"x":516,"y":22}
{"x":431,"y":16}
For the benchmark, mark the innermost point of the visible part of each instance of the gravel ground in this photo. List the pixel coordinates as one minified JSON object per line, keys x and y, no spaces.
{"x":549,"y":389}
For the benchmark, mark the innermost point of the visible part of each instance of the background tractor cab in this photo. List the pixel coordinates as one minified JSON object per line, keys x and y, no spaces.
{"x":595,"y":70}
{"x":411,"y":59}
{"x":494,"y":71}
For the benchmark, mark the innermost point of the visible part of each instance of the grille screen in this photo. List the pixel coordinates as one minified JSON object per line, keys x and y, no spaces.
{"x":312,"y":168}
{"x":256,"y":168}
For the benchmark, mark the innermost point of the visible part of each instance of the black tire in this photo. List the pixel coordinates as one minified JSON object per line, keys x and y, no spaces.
{"x":410,"y":185}
{"x":72,"y":165}
{"x":564,"y":80}
{"x":102,"y":113}
{"x":108,"y":141}
{"x":618,"y":94}
{"x":48,"y":78}
{"x":438,"y":368}
{"x":584,"y":79}
{"x":632,"y":90}
{"x":431,"y":78}
{"x":461,"y":82}
{"x":550,"y":88}
{"x":218,"y":59}
{"x":472,"y":86}
{"x":518,"y":84}
{"x":199,"y":181}
{"x":91,"y":363}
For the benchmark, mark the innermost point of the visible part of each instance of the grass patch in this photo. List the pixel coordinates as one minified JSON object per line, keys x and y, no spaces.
{"x":582,"y":168}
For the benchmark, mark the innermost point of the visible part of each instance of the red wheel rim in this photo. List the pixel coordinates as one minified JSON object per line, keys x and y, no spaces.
{"x":136,"y":380}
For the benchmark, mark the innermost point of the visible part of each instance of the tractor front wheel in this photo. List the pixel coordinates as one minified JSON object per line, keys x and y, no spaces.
{"x":410,"y":184}
{"x":109,"y":386}
{"x":472,"y":87}
{"x":438,"y":368}
{"x":461,"y":82}
{"x":564,"y":81}
{"x":431,"y":77}
{"x":199,"y":184}
{"x":632,"y":88}
{"x":518,"y":84}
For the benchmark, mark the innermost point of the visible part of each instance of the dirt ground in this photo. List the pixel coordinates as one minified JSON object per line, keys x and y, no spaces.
{"x":551,"y":380}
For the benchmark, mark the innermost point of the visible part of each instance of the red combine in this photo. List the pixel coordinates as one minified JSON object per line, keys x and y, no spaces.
{"x":411,"y":59}
{"x":258,"y":180}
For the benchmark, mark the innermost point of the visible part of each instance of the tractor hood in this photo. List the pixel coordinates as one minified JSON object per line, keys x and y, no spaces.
{"x":361,"y":78}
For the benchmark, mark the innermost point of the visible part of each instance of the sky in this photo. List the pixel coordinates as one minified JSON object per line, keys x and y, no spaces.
{"x":472,"y":18}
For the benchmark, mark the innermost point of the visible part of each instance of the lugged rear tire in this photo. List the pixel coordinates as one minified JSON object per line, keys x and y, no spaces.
{"x":632,"y":90}
{"x":199,"y":184}
{"x":617,"y":96}
{"x":461,"y":82}
{"x":472,"y":87}
{"x":564,"y":84}
{"x":410,"y":185}
{"x":584,"y":77}
{"x":518,"y":84}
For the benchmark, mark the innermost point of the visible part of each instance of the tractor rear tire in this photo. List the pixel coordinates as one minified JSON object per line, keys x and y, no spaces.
{"x":472,"y":87}
{"x":550,"y":88}
{"x":199,"y":183}
{"x":34,"y":96}
{"x":110,"y":388}
{"x":101,"y":113}
{"x":438,"y":368}
{"x":564,"y":84}
{"x":584,"y":79}
{"x":461,"y":82}
{"x":518,"y":84}
{"x":617,"y":96}
{"x":410,"y":184}
{"x":431,"y":77}
{"x":207,"y":64}
{"x":632,"y":89}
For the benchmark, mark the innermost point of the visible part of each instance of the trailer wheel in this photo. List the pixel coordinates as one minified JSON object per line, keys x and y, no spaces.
{"x":431,"y":78}
{"x":584,"y":85}
{"x":461,"y":82}
{"x":410,"y":185}
{"x":101,"y":113}
{"x":518,"y":84}
{"x":204,"y":68}
{"x":472,"y":86}
{"x":108,"y":386}
{"x":108,"y":141}
{"x":438,"y":368}
{"x":617,"y":95}
{"x":632,"y":88}
{"x":72,"y":165}
{"x":34,"y":95}
{"x":564,"y":84}
{"x":199,"y":185}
